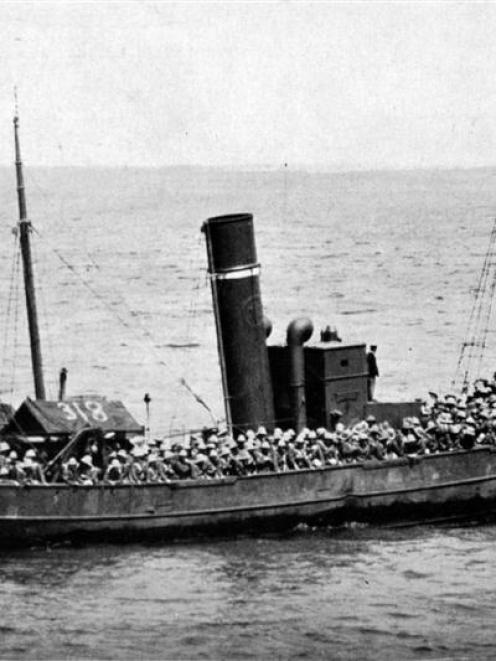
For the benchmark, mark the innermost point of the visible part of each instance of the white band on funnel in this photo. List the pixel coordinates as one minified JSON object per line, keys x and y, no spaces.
{"x":238,"y":274}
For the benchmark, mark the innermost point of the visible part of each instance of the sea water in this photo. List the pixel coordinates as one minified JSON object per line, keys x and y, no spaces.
{"x":389,"y":258}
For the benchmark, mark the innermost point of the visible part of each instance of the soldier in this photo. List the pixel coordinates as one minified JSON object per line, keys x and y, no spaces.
{"x":376,"y":443}
{"x":203,"y":465}
{"x":152,"y":468}
{"x":235,"y":465}
{"x":113,"y":474}
{"x":244,"y":455}
{"x":261,"y":433}
{"x":224,"y":458}
{"x":4,"y":452}
{"x":137,"y":469}
{"x":373,"y":372}
{"x":315,"y":454}
{"x":329,"y":449}
{"x":361,"y":447}
{"x":289,"y":438}
{"x":32,"y":468}
{"x":345,"y":446}
{"x":216,"y":465}
{"x":257,"y":455}
{"x":125,"y":461}
{"x":280,"y":458}
{"x":267,"y":462}
{"x":4,"y":461}
{"x":301,"y":457}
{"x":70,"y":473}
{"x":88,"y":473}
{"x":179,"y":464}
{"x":166,"y":472}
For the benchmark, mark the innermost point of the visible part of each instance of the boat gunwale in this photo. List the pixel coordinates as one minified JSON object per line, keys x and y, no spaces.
{"x":374,"y":464}
{"x":228,"y":480}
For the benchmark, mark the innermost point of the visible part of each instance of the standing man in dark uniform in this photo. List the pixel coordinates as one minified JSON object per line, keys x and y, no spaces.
{"x":373,"y":372}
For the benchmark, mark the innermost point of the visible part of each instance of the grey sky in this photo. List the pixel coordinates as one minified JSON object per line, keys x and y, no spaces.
{"x":311,"y":84}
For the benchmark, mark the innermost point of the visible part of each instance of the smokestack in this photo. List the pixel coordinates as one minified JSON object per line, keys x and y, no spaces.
{"x":241,"y":332}
{"x":299,"y":331}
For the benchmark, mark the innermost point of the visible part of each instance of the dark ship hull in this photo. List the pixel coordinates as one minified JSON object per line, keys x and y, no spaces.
{"x":434,"y":488}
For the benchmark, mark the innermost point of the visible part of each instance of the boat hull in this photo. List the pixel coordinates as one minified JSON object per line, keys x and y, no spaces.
{"x":414,"y":489}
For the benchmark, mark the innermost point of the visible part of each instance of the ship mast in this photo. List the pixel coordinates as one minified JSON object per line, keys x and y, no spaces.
{"x":25,"y":230}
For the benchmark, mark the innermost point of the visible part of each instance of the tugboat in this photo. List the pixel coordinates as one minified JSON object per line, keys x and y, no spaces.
{"x":294,"y":385}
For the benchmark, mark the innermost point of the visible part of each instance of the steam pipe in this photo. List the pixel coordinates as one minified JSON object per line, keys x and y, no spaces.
{"x":299,"y":331}
{"x":241,"y":332}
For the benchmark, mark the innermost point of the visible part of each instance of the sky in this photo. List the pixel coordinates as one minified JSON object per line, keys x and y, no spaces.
{"x":317,"y":85}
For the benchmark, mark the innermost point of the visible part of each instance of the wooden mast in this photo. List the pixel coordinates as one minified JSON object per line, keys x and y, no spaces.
{"x":24,"y":230}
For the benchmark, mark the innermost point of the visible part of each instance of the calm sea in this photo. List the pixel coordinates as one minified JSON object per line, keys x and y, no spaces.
{"x":390,"y":258}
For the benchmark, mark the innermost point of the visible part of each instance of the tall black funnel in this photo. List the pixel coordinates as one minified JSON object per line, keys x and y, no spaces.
{"x":241,"y":332}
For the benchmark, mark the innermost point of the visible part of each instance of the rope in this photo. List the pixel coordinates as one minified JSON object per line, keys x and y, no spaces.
{"x":16,"y":324}
{"x":13,"y":306}
{"x":192,"y":316}
{"x":130,"y":327}
{"x":479,"y":319}
{"x":487,"y":317}
{"x":482,"y":313}
{"x":11,"y":297}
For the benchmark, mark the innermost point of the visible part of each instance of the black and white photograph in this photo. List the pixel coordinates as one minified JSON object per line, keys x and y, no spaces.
{"x":248,"y":345}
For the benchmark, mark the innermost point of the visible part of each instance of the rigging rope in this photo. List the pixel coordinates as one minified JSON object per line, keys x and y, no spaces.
{"x":130,"y":327}
{"x":475,"y":341}
{"x":191,"y":318}
{"x":16,"y":323}
{"x":10,"y":301}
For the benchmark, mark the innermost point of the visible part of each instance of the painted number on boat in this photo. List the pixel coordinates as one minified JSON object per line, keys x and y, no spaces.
{"x":89,"y":410}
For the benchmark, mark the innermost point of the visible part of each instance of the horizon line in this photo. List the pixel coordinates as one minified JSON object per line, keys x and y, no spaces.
{"x":261,"y":167}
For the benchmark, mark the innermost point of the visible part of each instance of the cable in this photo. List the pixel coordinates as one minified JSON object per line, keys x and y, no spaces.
{"x":11,"y":296}
{"x":131,"y":328}
{"x":479,"y":319}
{"x":16,"y":322}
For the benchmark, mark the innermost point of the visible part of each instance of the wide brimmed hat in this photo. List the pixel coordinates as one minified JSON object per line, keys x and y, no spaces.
{"x":137,"y":440}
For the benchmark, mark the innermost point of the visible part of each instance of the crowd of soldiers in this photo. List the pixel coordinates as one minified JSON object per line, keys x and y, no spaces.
{"x":444,"y":424}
